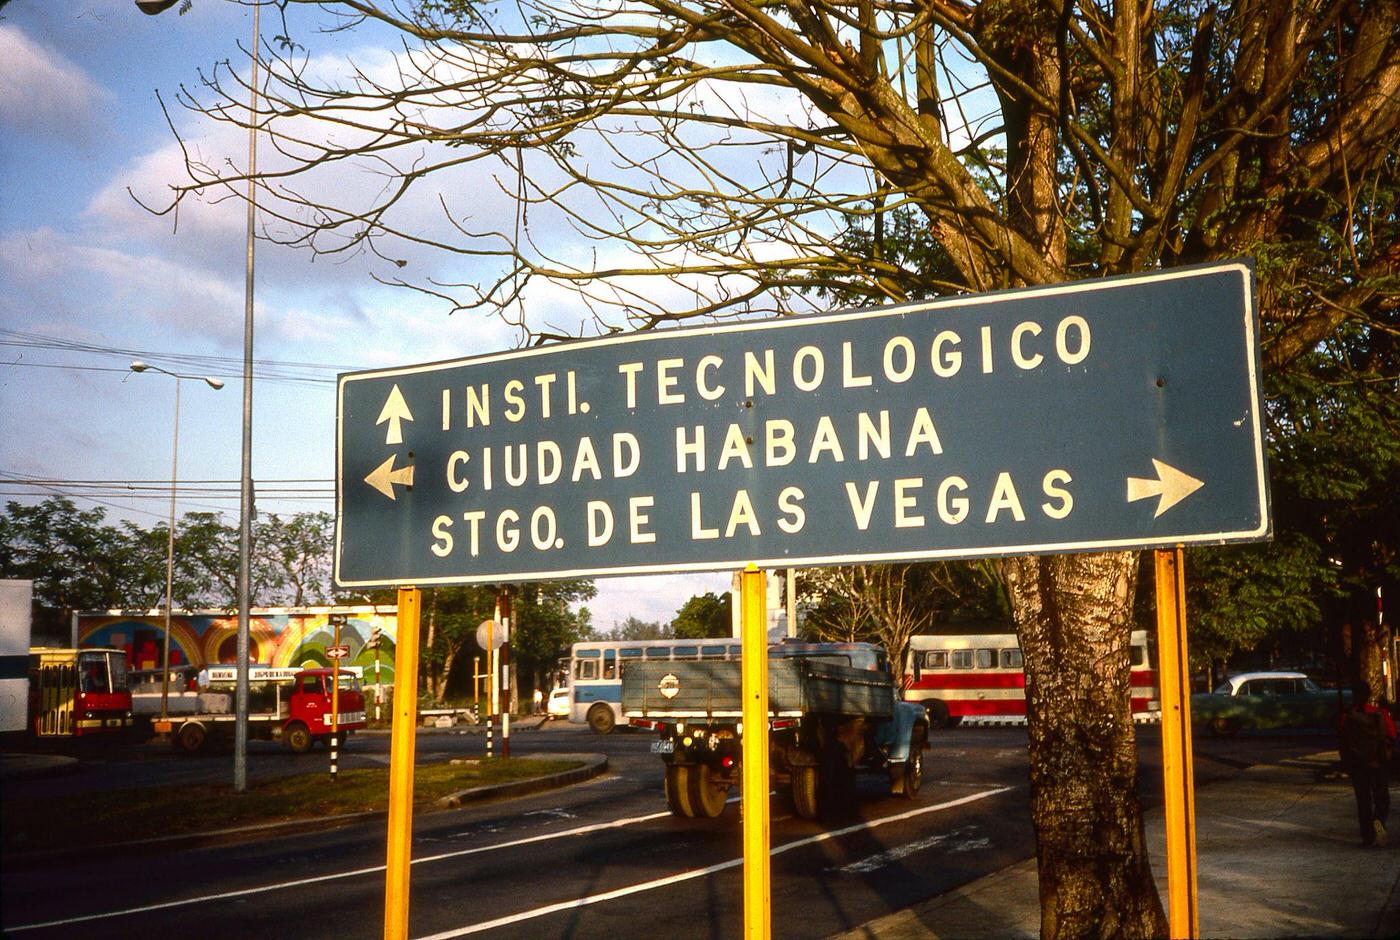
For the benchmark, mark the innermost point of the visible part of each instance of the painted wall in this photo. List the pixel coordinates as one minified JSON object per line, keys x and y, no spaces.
{"x":278,"y":636}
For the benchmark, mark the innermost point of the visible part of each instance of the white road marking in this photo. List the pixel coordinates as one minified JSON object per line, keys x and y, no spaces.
{"x":959,"y":840}
{"x":578,"y":831}
{"x":701,"y":872}
{"x":302,"y":882}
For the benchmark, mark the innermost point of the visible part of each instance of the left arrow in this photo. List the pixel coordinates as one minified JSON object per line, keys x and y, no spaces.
{"x":395,"y":411}
{"x":385,"y":476}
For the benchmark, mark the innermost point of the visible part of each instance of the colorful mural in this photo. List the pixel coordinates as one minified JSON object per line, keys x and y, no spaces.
{"x":278,"y":636}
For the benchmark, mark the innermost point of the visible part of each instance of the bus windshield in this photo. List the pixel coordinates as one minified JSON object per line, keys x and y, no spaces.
{"x":102,"y":671}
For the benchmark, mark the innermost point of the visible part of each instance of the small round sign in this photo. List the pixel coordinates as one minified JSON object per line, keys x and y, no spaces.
{"x":669,"y":686}
{"x":491,"y":635}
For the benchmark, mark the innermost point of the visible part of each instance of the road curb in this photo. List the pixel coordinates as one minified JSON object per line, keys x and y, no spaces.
{"x":594,"y":764}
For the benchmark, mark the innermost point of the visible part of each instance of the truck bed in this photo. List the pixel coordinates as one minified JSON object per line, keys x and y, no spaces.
{"x":712,"y":689}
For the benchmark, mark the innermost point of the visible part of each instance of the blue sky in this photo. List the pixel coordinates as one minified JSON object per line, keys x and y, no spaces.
{"x":81,"y":263}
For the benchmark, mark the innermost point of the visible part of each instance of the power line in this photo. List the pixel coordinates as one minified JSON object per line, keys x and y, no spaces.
{"x":210,"y":372}
{"x":276,"y":370}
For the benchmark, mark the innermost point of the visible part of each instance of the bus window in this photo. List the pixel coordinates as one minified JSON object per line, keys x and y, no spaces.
{"x":986,"y":659}
{"x":936,"y":659}
{"x":962,"y":659}
{"x":586,"y":669}
{"x":609,"y":664}
{"x":1011,"y":659}
{"x":92,"y":672}
{"x":630,"y":652}
{"x":117,"y":662}
{"x":1138,"y":655}
{"x":712,"y":651}
{"x":686,"y":652}
{"x":733,"y":650}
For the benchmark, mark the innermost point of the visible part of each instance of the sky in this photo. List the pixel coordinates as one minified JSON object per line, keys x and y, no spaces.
{"x":91,"y":280}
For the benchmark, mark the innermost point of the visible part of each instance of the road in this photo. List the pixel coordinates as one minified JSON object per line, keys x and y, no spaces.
{"x":602,"y":859}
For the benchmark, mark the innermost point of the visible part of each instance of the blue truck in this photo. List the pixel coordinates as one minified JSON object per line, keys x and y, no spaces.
{"x":833,"y":708}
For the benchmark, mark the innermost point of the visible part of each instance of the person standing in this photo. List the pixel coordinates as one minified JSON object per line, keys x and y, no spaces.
{"x":1368,"y":739}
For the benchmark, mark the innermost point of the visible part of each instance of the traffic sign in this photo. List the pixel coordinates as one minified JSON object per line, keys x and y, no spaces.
{"x":491,"y":635}
{"x":338,"y":652}
{"x":1107,"y":414}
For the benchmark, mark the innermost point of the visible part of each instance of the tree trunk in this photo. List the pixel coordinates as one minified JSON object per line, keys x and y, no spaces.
{"x":445,"y":673}
{"x":1370,"y":654}
{"x":431,"y":674}
{"x":1074,"y":616}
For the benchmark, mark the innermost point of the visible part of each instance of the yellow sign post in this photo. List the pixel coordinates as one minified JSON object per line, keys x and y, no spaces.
{"x":1175,"y":686}
{"x":754,"y":633}
{"x":401,"y":743}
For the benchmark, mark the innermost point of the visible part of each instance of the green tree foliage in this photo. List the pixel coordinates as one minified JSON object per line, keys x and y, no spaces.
{"x":80,"y":561}
{"x":704,"y":616}
{"x":635,"y":629}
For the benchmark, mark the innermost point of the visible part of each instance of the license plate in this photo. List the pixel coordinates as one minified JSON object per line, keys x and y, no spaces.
{"x":663,"y":747}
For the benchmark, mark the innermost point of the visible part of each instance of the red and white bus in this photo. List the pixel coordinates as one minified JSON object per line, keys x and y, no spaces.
{"x":977,"y":678}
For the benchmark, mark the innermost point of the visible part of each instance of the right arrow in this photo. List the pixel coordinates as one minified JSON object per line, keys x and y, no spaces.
{"x":1171,"y":485}
{"x":385,"y":476}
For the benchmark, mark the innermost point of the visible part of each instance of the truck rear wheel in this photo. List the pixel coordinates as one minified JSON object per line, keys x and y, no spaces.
{"x":678,"y":790}
{"x":297,"y":737}
{"x":600,"y":719}
{"x":707,"y":797}
{"x":190,"y":738}
{"x":804,"y":791}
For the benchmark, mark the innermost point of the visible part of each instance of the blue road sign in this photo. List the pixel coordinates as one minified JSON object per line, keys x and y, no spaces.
{"x":1108,"y":414}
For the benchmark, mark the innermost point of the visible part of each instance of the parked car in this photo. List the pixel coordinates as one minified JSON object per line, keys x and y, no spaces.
{"x":1267,"y":700}
{"x":558,"y":705}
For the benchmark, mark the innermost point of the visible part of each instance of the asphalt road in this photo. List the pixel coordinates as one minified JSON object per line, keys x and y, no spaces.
{"x":602,"y":859}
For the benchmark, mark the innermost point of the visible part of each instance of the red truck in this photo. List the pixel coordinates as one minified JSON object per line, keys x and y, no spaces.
{"x":293,"y":705}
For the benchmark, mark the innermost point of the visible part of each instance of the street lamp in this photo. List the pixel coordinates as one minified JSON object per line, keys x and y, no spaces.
{"x":245,"y":498}
{"x":139,"y":366}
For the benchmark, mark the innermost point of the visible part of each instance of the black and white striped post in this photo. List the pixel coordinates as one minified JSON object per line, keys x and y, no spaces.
{"x":337,"y":621}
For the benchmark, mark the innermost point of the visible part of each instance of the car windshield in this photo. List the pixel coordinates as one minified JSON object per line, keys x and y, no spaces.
{"x":1310,"y":686}
{"x":1223,"y":688}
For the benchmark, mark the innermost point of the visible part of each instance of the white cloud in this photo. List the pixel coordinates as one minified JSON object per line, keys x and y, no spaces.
{"x":43,"y":93}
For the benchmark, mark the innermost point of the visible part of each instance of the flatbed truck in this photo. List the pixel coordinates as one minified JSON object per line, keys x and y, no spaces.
{"x":833,"y":708}
{"x":290,"y":705}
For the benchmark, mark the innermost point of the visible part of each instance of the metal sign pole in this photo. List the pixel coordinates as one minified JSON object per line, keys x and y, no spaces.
{"x":757,"y":882}
{"x":1174,"y":680}
{"x":401,"y":747}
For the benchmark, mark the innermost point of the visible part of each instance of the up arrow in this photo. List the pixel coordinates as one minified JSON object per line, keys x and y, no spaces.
{"x":1171,"y":484}
{"x":385,"y":476}
{"x":394,"y":411}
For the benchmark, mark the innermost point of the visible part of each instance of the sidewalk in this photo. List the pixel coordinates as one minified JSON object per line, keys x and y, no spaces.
{"x":1278,"y":855}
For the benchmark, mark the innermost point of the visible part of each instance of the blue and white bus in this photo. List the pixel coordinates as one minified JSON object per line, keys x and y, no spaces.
{"x":595,"y":672}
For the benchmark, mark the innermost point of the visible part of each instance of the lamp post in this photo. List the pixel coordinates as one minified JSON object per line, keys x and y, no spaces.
{"x":245,"y":498}
{"x":139,"y":366}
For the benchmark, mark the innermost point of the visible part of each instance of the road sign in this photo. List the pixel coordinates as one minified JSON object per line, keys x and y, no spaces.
{"x":338,"y":652}
{"x":1119,"y":413}
{"x":490,"y":635}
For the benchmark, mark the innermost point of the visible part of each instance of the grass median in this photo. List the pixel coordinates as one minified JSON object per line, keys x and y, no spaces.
{"x":88,"y":819}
